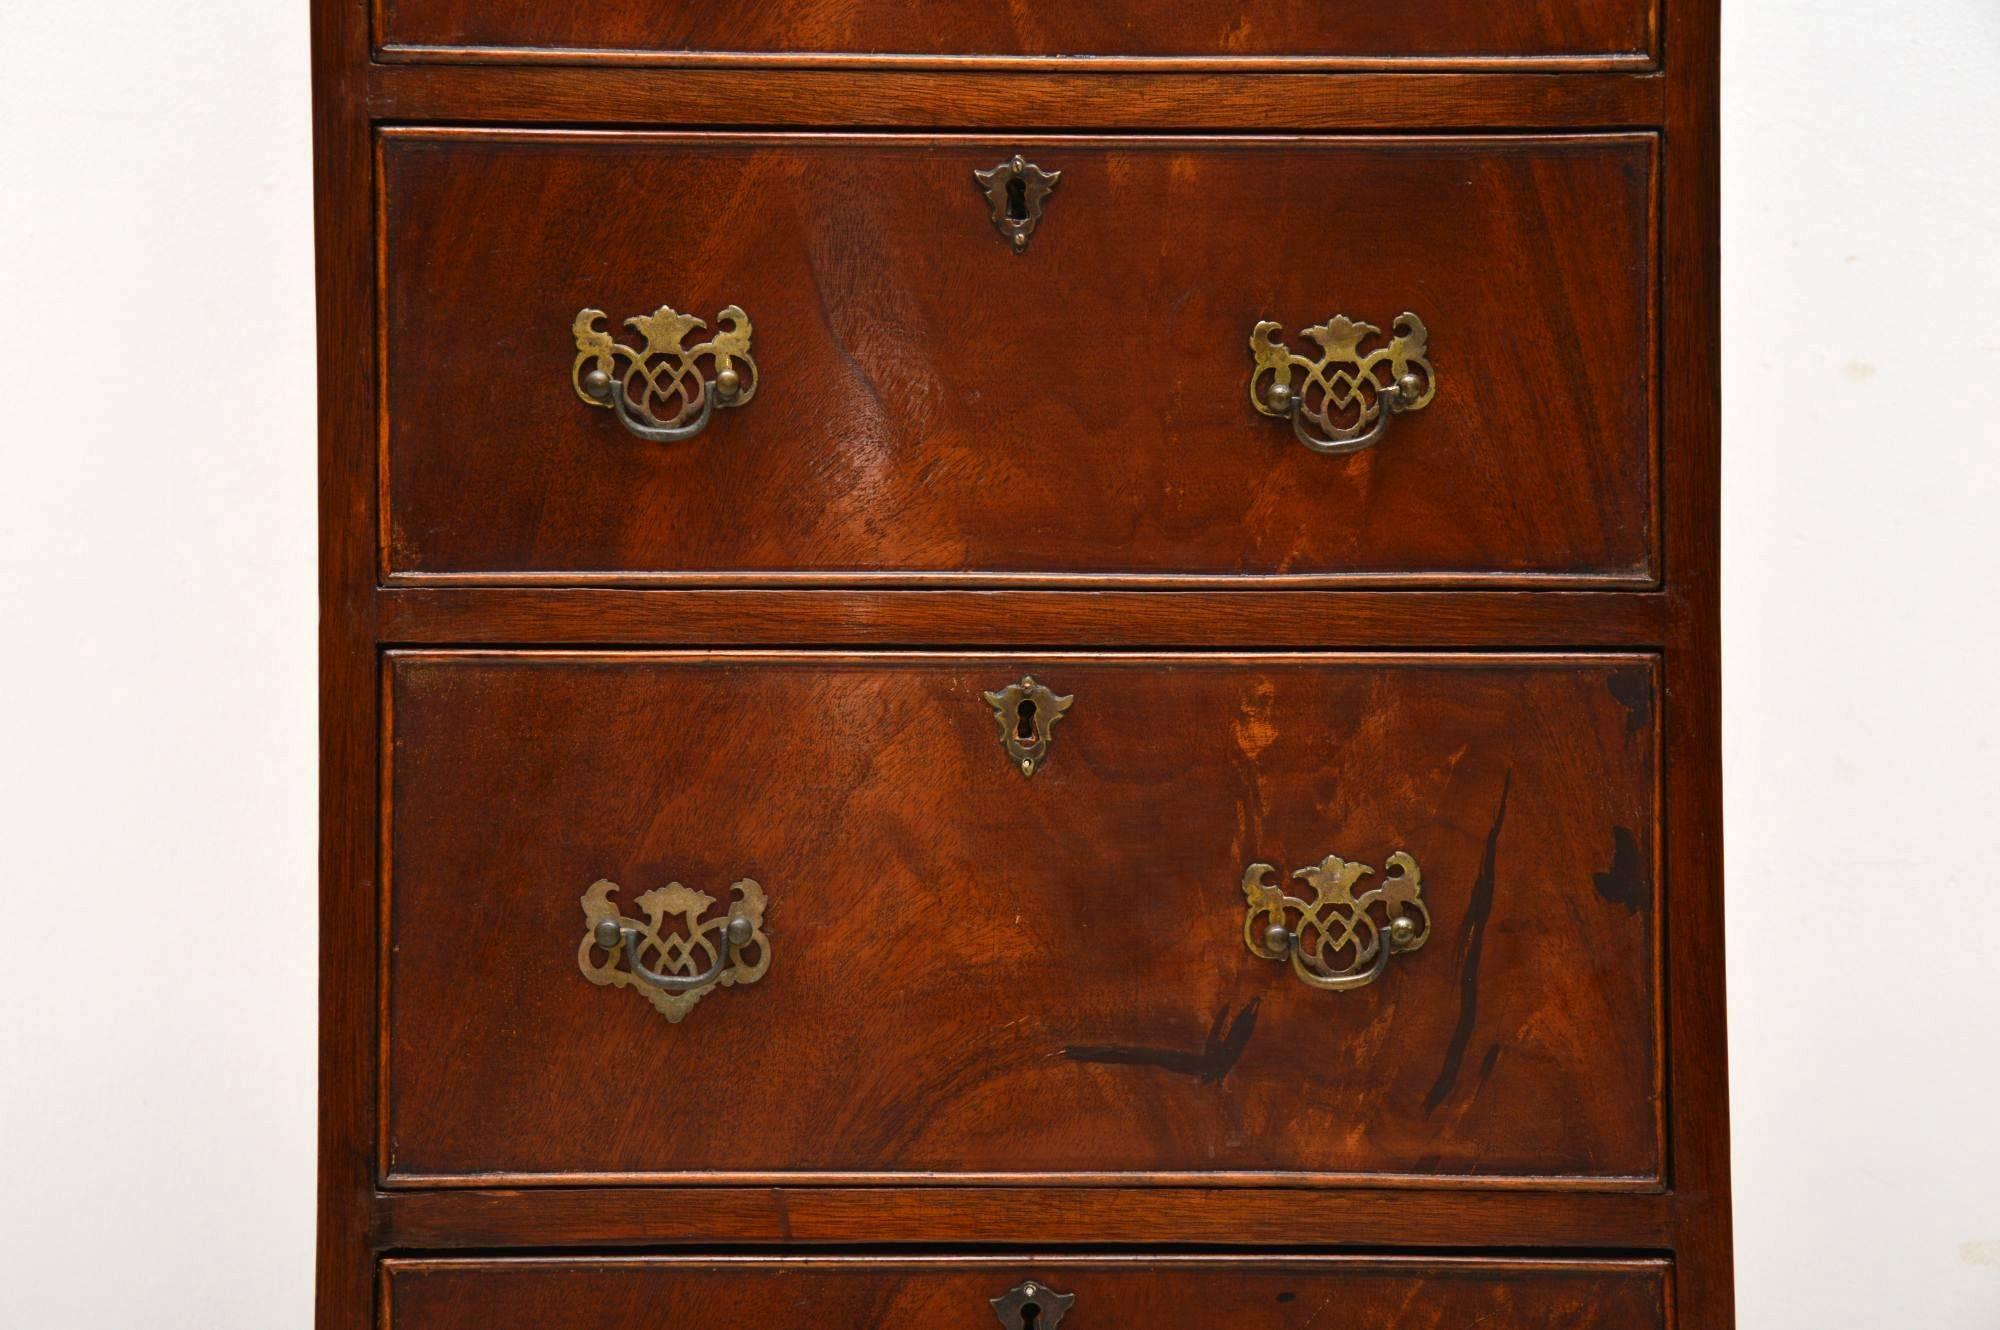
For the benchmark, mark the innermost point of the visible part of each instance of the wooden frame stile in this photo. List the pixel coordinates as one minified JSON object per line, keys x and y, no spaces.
{"x":348,"y":1231}
{"x":1692,"y":436}
{"x":360,"y":1220}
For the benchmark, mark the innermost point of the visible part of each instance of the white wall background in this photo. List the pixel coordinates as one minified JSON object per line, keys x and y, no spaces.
{"x":1861,"y":265}
{"x":157,"y":814}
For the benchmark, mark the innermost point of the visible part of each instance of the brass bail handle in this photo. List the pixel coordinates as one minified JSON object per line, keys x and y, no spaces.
{"x":1341,"y":938}
{"x":1344,"y":397}
{"x":676,"y":926}
{"x":611,"y":936}
{"x":664,"y":373}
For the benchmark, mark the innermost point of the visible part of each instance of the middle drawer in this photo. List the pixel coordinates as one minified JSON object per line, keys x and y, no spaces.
{"x":931,"y":917}
{"x":715,"y":358}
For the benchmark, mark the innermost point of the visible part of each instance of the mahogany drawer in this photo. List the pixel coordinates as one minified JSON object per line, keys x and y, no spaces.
{"x":950,"y":970}
{"x":923,"y":402}
{"x":1014,"y":1293}
{"x":1243,"y":34}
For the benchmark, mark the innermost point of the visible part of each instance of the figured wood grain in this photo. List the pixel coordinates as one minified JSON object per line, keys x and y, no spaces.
{"x":976,"y":974}
{"x":933,"y":405}
{"x":912,"y":1293}
{"x":870,"y":31}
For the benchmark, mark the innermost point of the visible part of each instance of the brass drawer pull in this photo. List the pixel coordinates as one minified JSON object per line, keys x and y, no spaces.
{"x":691,"y":961}
{"x":1342,"y":405}
{"x":664,"y":374}
{"x":1337,"y":942}
{"x":1032,"y":1306}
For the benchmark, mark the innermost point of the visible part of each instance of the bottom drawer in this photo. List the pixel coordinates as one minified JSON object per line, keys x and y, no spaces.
{"x":1095,"y":1293}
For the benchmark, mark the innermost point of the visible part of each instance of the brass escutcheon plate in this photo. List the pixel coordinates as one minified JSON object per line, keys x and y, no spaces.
{"x":1032,"y":1306}
{"x":1016,"y":190}
{"x":1027,"y":712}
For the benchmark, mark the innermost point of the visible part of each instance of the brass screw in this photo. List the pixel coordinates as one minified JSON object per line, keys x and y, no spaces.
{"x":1280,"y":397}
{"x":1402,"y":930}
{"x":728,"y":383}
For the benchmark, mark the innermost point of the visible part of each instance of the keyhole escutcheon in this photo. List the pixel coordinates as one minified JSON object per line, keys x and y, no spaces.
{"x":1026,"y":711}
{"x":1016,"y":191}
{"x":1032,"y":1306}
{"x":1017,"y":200}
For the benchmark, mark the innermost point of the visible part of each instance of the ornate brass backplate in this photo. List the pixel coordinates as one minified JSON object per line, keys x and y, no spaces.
{"x":1032,"y":1306}
{"x":1027,"y":711}
{"x":1337,"y":940}
{"x":1016,"y":190}
{"x":673,"y":967}
{"x":658,"y":390}
{"x":1345,"y":395}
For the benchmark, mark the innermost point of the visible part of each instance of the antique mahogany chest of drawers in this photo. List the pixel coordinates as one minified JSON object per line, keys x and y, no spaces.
{"x":1020,"y":663}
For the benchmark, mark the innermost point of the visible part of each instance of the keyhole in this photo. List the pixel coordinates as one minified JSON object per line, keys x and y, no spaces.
{"x":1031,"y":1315}
{"x":1017,"y":200}
{"x":1024,"y":726}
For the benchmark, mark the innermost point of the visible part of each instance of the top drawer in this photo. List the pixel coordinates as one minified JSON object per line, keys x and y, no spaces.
{"x":949,"y":368}
{"x":1252,"y":33}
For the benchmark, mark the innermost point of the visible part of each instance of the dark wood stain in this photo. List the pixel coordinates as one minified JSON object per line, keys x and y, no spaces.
{"x":1209,"y":1065}
{"x":1634,"y":691}
{"x":1477,"y":912}
{"x":1625,"y":882}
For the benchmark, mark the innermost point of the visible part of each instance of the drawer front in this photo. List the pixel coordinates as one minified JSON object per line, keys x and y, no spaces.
{"x":944,"y":378}
{"x":993,"y":927}
{"x":1060,"y":1293}
{"x":1243,"y":32}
